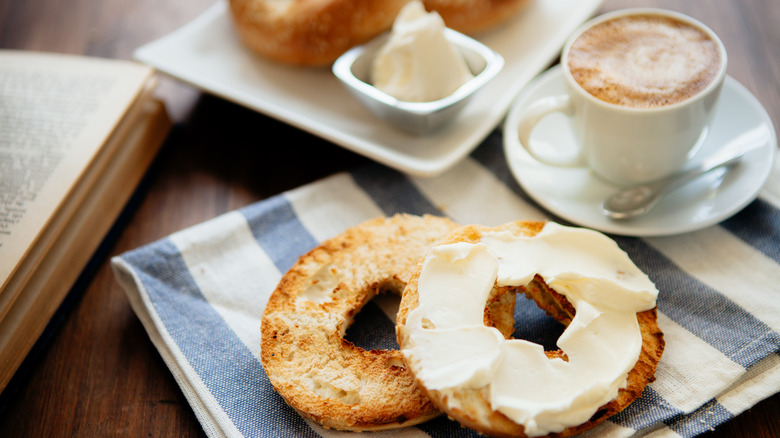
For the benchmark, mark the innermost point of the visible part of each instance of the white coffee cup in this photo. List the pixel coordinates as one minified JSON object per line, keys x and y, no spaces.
{"x":620,"y":142}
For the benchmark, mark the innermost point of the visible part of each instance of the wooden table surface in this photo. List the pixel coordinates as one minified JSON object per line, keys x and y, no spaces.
{"x":98,"y":374}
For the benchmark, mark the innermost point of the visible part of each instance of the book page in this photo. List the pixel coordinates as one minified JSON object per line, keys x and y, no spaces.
{"x":134,"y":145}
{"x":56,"y":112}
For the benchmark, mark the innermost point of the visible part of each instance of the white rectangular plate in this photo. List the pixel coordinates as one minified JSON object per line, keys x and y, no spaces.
{"x":207,"y":54}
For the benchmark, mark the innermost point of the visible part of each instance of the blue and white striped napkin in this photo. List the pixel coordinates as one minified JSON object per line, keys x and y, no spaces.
{"x":200,"y":293}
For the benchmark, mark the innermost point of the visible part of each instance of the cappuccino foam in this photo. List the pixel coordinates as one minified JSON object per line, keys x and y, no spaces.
{"x":644,"y":61}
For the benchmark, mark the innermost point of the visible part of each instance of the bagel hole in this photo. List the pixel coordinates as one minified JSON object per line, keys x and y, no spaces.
{"x":521,"y":318}
{"x":373,"y":327}
{"x":535,"y":325}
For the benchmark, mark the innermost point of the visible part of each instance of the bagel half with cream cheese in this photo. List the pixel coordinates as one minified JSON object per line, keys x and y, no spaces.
{"x":504,"y":387}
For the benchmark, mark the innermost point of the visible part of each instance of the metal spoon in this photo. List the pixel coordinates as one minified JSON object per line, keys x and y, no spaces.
{"x":638,"y":200}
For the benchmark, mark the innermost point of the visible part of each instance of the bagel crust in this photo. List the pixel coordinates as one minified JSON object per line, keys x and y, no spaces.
{"x":475,"y":16}
{"x":471,"y":407}
{"x":316,"y":32}
{"x":320,"y":374}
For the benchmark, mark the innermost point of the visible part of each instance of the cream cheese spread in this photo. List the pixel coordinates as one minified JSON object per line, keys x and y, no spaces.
{"x":450,"y":348}
{"x":418,"y":63}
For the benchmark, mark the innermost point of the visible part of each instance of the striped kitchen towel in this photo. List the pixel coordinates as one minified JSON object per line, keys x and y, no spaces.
{"x":200,"y":294}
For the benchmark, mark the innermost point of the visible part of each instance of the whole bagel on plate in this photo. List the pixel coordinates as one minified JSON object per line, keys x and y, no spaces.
{"x":316,"y":32}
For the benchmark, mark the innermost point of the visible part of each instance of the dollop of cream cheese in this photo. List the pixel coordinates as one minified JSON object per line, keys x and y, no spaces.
{"x":418,"y":63}
{"x":450,"y":348}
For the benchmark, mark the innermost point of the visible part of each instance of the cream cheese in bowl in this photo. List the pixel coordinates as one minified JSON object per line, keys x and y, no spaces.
{"x":418,"y":63}
{"x":414,"y":65}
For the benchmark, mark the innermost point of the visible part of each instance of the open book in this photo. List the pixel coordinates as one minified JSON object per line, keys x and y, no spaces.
{"x":77,"y":135}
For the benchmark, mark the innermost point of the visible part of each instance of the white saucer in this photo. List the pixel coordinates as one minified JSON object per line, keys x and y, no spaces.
{"x":576,"y":194}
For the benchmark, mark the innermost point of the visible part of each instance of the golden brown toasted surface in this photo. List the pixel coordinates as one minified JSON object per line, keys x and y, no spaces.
{"x":316,"y":32}
{"x":475,"y":16}
{"x":473,"y":408}
{"x":323,"y":376}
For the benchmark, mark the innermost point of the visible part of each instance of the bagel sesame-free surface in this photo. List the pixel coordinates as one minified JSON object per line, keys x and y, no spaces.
{"x":316,"y":32}
{"x":323,"y":376}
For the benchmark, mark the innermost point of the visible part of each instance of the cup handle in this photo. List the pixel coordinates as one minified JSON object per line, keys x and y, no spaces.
{"x":535,"y":113}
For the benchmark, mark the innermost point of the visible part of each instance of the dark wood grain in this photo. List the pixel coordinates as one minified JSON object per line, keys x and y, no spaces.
{"x":98,"y":374}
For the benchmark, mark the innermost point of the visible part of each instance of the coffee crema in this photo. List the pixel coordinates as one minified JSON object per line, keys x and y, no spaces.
{"x":644,"y":61}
